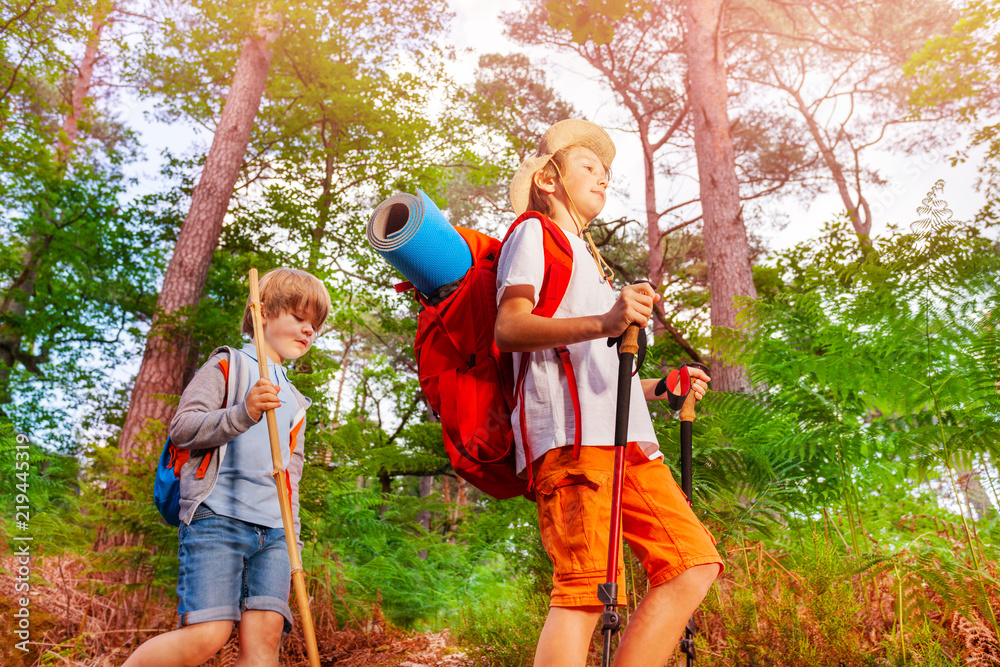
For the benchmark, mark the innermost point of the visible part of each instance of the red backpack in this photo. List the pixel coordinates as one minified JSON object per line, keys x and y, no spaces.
{"x":468,"y":382}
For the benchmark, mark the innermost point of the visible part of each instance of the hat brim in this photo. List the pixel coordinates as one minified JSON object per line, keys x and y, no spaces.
{"x":520,"y":185}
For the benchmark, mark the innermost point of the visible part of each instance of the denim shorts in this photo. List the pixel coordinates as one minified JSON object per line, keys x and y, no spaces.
{"x":228,"y":566}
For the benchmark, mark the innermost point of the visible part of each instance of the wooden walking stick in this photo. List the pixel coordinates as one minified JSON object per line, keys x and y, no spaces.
{"x":284,"y":496}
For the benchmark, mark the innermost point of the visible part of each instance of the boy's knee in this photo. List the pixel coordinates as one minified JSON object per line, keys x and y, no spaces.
{"x":701,"y":577}
{"x":261,"y":631}
{"x":692,"y":583}
{"x":204,"y":640}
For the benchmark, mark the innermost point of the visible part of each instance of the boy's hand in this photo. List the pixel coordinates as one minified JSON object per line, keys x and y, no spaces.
{"x":262,"y":396}
{"x":699,"y":382}
{"x":699,"y":386}
{"x":634,"y":306}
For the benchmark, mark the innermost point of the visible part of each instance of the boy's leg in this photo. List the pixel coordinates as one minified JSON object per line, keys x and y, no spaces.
{"x":565,"y":638}
{"x":185,"y":647}
{"x":260,"y":638}
{"x":655,"y":628}
{"x":574,"y":512}
{"x":677,"y":552}
{"x":266,"y":614}
{"x":211,"y":555}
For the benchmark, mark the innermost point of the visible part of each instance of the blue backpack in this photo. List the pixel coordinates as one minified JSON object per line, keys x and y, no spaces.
{"x":167,"y":485}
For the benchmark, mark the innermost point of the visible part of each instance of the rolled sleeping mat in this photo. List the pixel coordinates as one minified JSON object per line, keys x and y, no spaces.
{"x":412,"y":234}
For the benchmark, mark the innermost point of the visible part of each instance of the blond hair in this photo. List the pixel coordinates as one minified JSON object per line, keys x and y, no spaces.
{"x":290,"y":291}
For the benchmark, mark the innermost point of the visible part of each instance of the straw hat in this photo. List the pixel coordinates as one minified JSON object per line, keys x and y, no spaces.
{"x":573,"y":132}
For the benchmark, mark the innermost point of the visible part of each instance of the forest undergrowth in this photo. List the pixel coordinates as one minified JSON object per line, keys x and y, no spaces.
{"x":78,"y":617}
{"x":770,"y":607}
{"x":853,"y":495}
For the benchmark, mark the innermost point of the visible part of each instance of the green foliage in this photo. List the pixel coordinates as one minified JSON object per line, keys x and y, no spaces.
{"x":811,"y":608}
{"x":40,"y":489}
{"x":959,"y":67}
{"x":875,"y":378}
{"x":957,"y":72}
{"x":501,"y":622}
{"x":873,"y":368}
{"x":590,"y":20}
{"x":812,"y":622}
{"x":81,"y":250}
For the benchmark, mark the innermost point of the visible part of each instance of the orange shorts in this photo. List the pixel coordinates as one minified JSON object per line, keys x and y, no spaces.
{"x":574,"y":515}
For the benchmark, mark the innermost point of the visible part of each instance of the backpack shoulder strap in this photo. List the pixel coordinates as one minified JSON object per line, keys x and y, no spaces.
{"x":239,"y":376}
{"x":558,"y":270}
{"x":228,"y":367}
{"x":558,"y":262}
{"x":234,"y":369}
{"x":227,"y":401}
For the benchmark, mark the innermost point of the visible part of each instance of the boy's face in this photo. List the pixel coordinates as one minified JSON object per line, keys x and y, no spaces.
{"x":289,"y":335}
{"x":586,"y":181}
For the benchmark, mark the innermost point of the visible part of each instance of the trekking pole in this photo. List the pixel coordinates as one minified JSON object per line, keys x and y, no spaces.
{"x":678,"y":382}
{"x":284,"y":494}
{"x":607,"y":592}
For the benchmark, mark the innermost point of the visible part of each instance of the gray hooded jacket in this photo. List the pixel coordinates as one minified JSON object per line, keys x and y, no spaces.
{"x":208,"y":418}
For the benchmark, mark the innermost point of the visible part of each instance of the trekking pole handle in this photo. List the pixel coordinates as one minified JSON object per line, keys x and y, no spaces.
{"x":687,"y":410}
{"x":630,"y":340}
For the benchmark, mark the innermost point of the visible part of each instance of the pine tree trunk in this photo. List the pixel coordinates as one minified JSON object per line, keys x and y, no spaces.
{"x":654,"y":236}
{"x":726,"y":248}
{"x":385,"y":481}
{"x":166,"y":354}
{"x":461,"y":500}
{"x":81,"y":87}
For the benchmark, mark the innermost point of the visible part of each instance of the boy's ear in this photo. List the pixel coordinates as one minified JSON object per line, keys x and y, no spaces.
{"x":545,"y":183}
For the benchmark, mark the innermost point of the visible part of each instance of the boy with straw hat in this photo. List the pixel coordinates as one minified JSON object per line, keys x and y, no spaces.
{"x":566,"y":180}
{"x":234,"y":561}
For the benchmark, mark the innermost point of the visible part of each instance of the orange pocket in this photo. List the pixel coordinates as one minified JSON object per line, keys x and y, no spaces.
{"x":573,"y":518}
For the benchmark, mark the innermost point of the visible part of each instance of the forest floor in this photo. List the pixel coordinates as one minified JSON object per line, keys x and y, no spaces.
{"x":81,"y":618}
{"x":76,"y":618}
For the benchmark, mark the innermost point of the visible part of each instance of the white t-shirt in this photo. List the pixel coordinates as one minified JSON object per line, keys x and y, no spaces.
{"x":548,"y":405}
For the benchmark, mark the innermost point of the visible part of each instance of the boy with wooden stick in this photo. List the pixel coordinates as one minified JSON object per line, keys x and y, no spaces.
{"x":566,"y":180}
{"x":234,"y":562}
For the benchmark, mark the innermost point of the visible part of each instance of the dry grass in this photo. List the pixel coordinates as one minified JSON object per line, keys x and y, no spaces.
{"x":764,"y":613}
{"x":761,"y":612}
{"x":78,"y":619}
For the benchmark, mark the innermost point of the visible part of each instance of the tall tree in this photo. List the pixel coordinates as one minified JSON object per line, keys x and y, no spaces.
{"x":839,"y":69}
{"x":639,"y":56}
{"x":729,"y":273}
{"x":77,"y":259}
{"x":167,"y":346}
{"x":336,"y":127}
{"x":639,"y":64}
